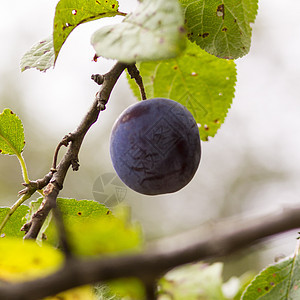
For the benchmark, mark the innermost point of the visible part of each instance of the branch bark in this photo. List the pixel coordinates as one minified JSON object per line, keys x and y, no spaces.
{"x":71,"y":156}
{"x":159,"y":257}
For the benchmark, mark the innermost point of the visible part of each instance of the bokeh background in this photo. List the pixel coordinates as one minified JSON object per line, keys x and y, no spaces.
{"x":250,"y":167}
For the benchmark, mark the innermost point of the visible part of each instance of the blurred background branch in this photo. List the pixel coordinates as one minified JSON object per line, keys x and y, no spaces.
{"x":222,"y":239}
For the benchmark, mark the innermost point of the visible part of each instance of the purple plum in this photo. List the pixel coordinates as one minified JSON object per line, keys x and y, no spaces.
{"x":155,"y":146}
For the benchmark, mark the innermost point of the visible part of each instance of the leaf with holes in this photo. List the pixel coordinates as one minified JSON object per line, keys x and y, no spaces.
{"x":201,"y":82}
{"x":278,"y":281}
{"x":222,"y":28}
{"x":12,"y":139}
{"x":40,"y":56}
{"x":149,"y":33}
{"x":69,"y":14}
{"x":15,"y":222}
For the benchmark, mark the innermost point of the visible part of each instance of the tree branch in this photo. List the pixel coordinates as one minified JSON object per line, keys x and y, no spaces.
{"x":223,"y":239}
{"x":63,"y":237}
{"x":33,"y":186}
{"x":74,"y":140}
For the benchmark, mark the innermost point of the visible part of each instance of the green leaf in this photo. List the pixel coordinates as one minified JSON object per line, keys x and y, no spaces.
{"x":125,"y":288}
{"x":222,"y":28}
{"x":73,"y":211}
{"x":81,"y":211}
{"x":69,"y":14}
{"x":245,"y":280}
{"x":15,"y":222}
{"x":278,"y":281}
{"x":12,"y":138}
{"x":92,"y":229}
{"x":107,"y":235}
{"x":40,"y":56}
{"x":193,"y":281}
{"x":199,"y":81}
{"x":154,"y":31}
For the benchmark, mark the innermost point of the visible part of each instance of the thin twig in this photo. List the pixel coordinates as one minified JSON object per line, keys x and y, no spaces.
{"x":98,"y":78}
{"x":30,"y":188}
{"x":36,"y":185}
{"x":64,"y":142}
{"x":151,"y":290}
{"x":61,"y":229}
{"x":70,"y":158}
{"x":135,"y":74}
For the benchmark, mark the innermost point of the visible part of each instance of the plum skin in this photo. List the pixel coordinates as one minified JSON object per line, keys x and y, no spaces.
{"x":155,"y":146}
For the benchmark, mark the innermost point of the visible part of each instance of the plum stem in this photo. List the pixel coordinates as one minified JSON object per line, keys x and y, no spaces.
{"x":135,"y":74}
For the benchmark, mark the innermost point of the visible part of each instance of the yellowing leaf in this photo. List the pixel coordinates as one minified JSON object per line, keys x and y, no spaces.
{"x":25,"y":260}
{"x":92,"y":229}
{"x":107,"y":235}
{"x":80,"y":293}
